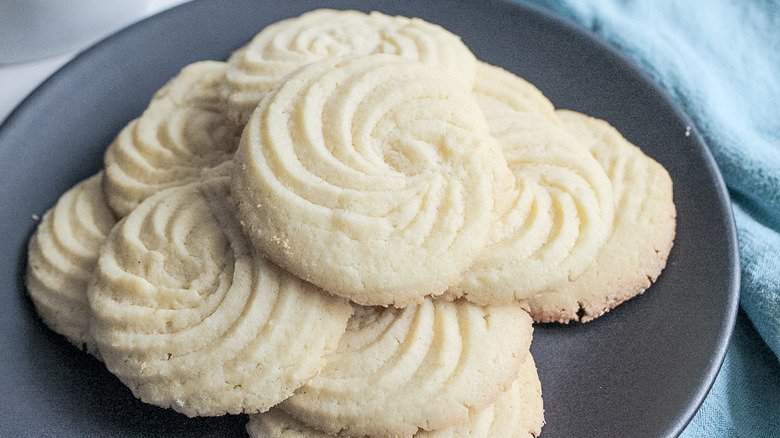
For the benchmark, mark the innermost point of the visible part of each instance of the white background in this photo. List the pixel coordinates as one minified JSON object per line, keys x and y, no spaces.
{"x":18,"y":80}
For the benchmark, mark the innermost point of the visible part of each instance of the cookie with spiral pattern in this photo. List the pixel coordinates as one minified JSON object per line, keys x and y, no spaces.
{"x":62,"y":254}
{"x":374,"y":177}
{"x":517,"y":413}
{"x":501,"y":92}
{"x":642,"y":235}
{"x":290,"y":44}
{"x":561,"y":211}
{"x":189,"y":316}
{"x":427,"y":366}
{"x":182,"y":136}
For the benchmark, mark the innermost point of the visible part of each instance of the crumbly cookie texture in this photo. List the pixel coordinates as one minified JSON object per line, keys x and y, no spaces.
{"x":373,"y":177}
{"x":641,"y":238}
{"x":189,"y":317}
{"x":516,"y":413}
{"x":501,"y":92}
{"x":426,"y":367}
{"x":182,"y":136}
{"x":562,"y":208}
{"x":290,"y":44}
{"x":62,"y":254}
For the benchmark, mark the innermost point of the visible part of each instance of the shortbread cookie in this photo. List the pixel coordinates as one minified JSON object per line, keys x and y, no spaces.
{"x":642,"y":235}
{"x":501,"y":92}
{"x":181,"y":136}
{"x":560,"y":217}
{"x":290,"y":44}
{"x":516,"y":413}
{"x":189,"y":316}
{"x":423,"y":367}
{"x":61,"y":257}
{"x":373,"y":177}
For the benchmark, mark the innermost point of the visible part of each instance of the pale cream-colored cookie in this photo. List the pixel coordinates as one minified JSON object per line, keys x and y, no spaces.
{"x":189,"y":316}
{"x":62,"y":254}
{"x":501,"y":92}
{"x":516,"y":413}
{"x":373,"y":177}
{"x":182,"y":136}
{"x":560,"y":216}
{"x":641,"y":238}
{"x":290,"y":44}
{"x":423,"y":367}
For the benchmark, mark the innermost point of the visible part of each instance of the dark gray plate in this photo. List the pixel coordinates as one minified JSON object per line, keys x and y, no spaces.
{"x":641,"y":370}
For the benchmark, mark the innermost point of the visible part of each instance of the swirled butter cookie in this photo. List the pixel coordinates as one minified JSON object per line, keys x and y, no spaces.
{"x":290,"y":44}
{"x":516,"y":413}
{"x":189,"y":316}
{"x":501,"y":92}
{"x":372,"y":177}
{"x":426,"y":367}
{"x":182,"y":135}
{"x":641,"y":238}
{"x":560,"y":216}
{"x":62,"y":254}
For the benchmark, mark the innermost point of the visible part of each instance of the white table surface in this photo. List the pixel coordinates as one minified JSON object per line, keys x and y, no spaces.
{"x":18,"y":80}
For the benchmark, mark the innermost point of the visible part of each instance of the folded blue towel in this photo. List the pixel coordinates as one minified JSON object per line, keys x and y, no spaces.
{"x":720,"y":62}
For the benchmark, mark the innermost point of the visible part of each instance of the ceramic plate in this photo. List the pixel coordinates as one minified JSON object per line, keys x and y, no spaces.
{"x":641,"y":370}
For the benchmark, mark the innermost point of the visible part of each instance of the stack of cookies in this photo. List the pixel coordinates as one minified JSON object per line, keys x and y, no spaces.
{"x":348,"y":229}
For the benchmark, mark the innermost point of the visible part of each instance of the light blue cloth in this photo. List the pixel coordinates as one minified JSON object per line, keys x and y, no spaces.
{"x":720,"y":61}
